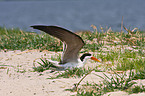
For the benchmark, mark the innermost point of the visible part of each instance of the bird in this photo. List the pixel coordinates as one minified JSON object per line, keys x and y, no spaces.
{"x":72,"y":44}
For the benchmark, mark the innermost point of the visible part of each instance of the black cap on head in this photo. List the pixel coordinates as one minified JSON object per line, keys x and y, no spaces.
{"x":84,"y":55}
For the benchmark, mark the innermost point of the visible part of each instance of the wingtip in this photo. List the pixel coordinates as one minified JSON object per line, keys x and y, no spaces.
{"x":36,"y":26}
{"x":33,"y":26}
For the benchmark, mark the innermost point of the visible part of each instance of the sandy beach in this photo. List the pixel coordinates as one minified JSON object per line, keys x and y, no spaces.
{"x":18,"y":79}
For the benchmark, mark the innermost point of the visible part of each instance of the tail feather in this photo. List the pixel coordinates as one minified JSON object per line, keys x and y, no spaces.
{"x":55,"y":64}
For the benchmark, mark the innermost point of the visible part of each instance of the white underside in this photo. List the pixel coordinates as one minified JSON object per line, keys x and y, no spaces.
{"x":71,"y":65}
{"x":68,"y":65}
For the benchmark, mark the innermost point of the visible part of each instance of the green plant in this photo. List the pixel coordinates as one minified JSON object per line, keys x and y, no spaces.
{"x":137,"y":89}
{"x":45,"y":66}
{"x":139,"y":75}
{"x":109,"y":84}
{"x":76,"y":72}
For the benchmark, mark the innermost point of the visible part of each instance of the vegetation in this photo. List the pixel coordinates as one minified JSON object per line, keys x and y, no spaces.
{"x":119,"y":51}
{"x":117,"y":82}
{"x":16,"y":39}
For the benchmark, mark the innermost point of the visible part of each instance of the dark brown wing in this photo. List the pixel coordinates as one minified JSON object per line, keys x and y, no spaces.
{"x":73,"y":42}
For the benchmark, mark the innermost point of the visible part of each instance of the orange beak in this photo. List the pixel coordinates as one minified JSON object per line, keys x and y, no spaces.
{"x":95,"y":59}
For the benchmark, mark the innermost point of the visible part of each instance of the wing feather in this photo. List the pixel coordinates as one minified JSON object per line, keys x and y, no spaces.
{"x":73,"y":42}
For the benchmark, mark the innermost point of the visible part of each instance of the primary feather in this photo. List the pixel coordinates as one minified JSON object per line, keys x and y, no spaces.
{"x":73,"y":42}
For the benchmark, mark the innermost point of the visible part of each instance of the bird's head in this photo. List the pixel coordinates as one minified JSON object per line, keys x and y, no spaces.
{"x":86,"y":56}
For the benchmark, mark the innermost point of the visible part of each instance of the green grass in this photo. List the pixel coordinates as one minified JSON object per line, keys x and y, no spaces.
{"x":110,"y":84}
{"x":139,"y":75}
{"x":16,"y":39}
{"x":136,"y":89}
{"x":76,"y":72}
{"x":45,"y":66}
{"x":125,"y":51}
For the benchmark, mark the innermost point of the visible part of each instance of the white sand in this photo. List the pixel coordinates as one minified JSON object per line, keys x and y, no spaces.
{"x":15,"y":83}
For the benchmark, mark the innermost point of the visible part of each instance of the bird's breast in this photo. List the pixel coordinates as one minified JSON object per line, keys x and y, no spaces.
{"x":72,"y":65}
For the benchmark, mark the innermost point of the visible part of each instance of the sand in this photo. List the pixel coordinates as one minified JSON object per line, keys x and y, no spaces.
{"x":18,"y":79}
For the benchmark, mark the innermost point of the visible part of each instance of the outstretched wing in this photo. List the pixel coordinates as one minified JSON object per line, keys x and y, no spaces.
{"x":73,"y":42}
